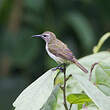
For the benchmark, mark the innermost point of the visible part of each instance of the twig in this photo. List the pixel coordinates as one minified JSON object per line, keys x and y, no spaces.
{"x":93,"y":65}
{"x":68,"y":77}
{"x":64,"y":88}
{"x":70,"y":106}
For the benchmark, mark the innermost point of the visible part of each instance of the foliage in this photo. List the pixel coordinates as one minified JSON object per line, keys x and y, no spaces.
{"x":76,"y":84}
{"x":79,"y":23}
{"x":101,"y":41}
{"x":78,"y":99}
{"x":80,"y":90}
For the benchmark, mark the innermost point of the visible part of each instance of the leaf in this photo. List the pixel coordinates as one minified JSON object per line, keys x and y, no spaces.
{"x":101,"y":42}
{"x":78,"y":98}
{"x":72,"y":84}
{"x":104,"y":89}
{"x":92,"y":107}
{"x":36,"y":94}
{"x":102,"y":76}
{"x":87,"y":62}
{"x":52,"y":100}
{"x":101,"y":100}
{"x":105,"y":65}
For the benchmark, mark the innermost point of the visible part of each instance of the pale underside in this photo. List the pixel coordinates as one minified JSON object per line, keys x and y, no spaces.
{"x":61,"y":54}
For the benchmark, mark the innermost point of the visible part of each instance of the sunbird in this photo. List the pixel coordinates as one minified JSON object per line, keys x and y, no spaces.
{"x":59,"y":51}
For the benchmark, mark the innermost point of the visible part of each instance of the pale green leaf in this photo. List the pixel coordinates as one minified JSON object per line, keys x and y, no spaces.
{"x":72,"y":84}
{"x":36,"y":94}
{"x":101,"y":100}
{"x":104,"y":89}
{"x":102,"y":76}
{"x":52,"y":100}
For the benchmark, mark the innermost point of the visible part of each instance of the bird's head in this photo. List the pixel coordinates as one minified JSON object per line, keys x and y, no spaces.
{"x":47,"y":36}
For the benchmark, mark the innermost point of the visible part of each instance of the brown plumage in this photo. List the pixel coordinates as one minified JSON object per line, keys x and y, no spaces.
{"x":58,"y":50}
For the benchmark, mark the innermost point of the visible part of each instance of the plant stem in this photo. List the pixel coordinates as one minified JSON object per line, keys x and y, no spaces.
{"x":64,"y":88}
{"x":70,"y":106}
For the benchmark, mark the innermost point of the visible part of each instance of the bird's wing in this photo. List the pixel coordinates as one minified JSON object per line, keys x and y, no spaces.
{"x":61,"y":50}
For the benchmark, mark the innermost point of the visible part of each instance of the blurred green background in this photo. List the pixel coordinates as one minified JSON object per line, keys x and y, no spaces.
{"x":79,"y":23}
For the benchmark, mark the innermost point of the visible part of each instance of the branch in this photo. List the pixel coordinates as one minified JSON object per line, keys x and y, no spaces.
{"x":70,"y":106}
{"x":64,"y":88}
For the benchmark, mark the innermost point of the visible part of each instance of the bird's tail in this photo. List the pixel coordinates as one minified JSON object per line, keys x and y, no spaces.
{"x":74,"y":60}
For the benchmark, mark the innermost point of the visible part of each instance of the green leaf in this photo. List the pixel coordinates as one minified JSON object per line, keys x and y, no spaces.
{"x":104,"y":89}
{"x":101,"y":100}
{"x":52,"y":100}
{"x":102,"y":75}
{"x":78,"y":98}
{"x":101,"y":42}
{"x":105,"y":65}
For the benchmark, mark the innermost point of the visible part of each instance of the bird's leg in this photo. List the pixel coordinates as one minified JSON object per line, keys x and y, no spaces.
{"x":59,"y":67}
{"x":63,"y":87}
{"x":61,"y":70}
{"x":92,"y":67}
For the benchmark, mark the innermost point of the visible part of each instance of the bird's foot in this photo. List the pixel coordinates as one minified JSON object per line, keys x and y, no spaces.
{"x":58,"y":68}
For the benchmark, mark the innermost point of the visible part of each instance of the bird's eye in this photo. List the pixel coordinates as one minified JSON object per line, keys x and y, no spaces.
{"x":45,"y":35}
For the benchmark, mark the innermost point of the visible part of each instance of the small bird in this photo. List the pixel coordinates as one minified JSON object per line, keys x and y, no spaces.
{"x":59,"y":51}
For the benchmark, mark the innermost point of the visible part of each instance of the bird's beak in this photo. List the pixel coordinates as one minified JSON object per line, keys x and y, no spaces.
{"x":37,"y":36}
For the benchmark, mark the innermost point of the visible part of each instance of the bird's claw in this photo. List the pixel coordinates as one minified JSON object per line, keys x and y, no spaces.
{"x":58,"y":68}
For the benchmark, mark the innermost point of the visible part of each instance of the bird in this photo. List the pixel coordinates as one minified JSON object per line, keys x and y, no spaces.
{"x":58,"y":50}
